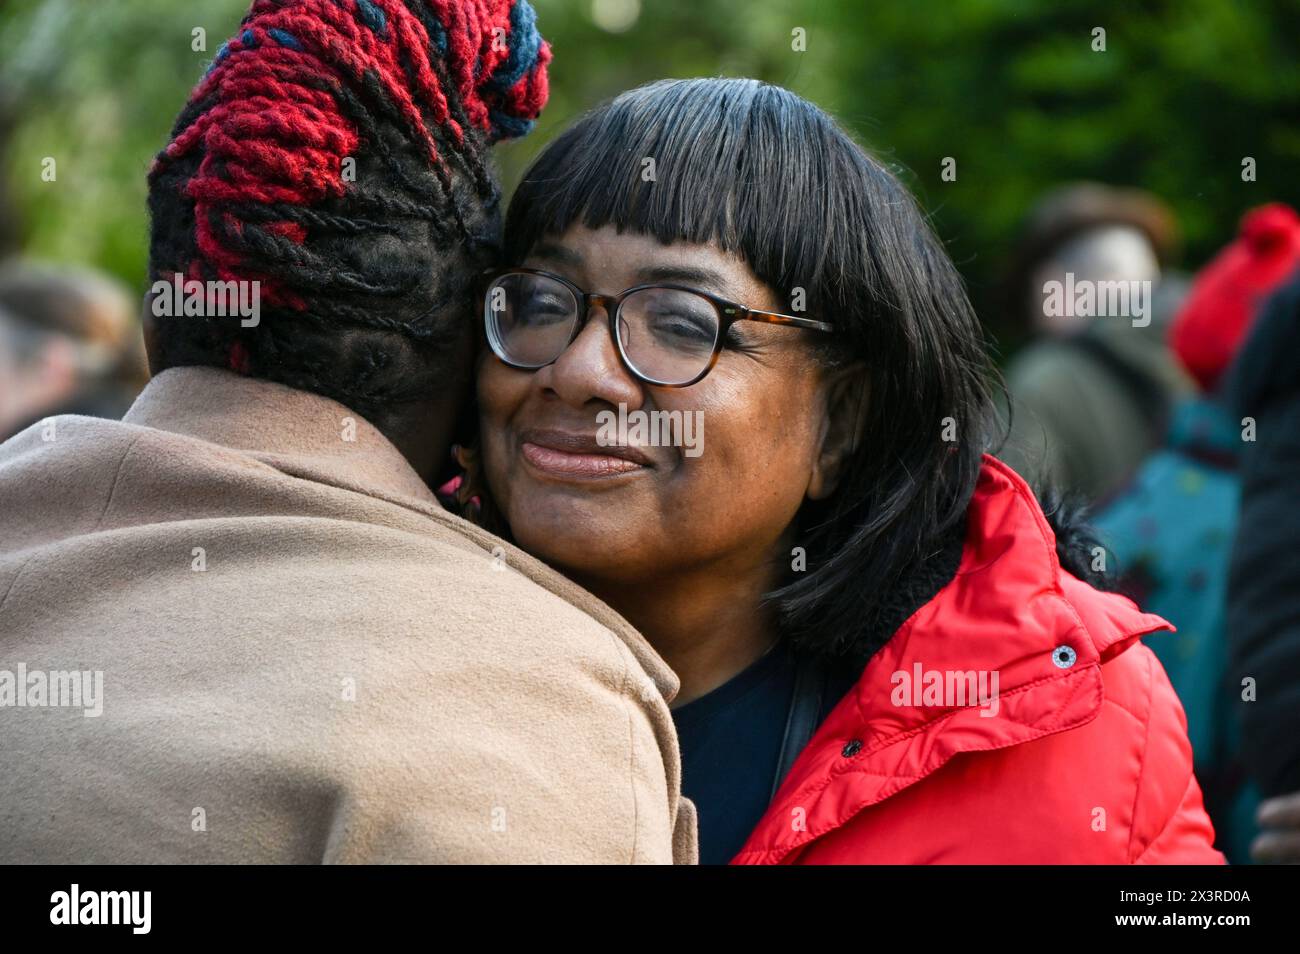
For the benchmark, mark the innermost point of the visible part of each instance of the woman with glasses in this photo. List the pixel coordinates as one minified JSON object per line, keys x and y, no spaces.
{"x":886,"y":653}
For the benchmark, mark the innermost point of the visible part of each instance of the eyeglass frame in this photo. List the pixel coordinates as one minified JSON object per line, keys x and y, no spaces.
{"x":728,"y":312}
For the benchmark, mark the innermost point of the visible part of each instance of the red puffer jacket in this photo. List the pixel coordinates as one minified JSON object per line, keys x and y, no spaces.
{"x":1077,"y":754}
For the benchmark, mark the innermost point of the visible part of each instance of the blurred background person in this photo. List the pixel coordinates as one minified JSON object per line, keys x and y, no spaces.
{"x":1170,"y":530}
{"x":69,"y":344}
{"x":1264,"y":581}
{"x":1091,"y":393}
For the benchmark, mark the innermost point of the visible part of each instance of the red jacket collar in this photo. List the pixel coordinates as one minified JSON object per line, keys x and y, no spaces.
{"x":1010,"y":613}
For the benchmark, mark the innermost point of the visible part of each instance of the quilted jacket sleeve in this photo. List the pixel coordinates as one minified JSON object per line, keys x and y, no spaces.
{"x":1170,"y":825}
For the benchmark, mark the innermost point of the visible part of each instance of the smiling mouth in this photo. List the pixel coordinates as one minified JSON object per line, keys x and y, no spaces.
{"x":579,"y":456}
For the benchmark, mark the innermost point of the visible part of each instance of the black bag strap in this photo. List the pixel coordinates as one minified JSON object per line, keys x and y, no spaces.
{"x":804,"y":716}
{"x":1149,"y":396}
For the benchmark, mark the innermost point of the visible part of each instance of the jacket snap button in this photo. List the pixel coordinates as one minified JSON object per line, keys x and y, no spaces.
{"x":851,"y":749}
{"x":1064,"y":657}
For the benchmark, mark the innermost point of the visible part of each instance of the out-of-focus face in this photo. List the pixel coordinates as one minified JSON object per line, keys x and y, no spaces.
{"x":37,"y":383}
{"x":622,"y":514}
{"x":1111,"y":253}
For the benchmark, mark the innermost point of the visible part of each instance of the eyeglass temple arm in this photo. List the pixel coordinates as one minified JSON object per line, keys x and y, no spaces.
{"x":775,"y":318}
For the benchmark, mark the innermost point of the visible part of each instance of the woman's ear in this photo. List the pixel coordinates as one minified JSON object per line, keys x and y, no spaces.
{"x":149,"y":326}
{"x":844,"y":418}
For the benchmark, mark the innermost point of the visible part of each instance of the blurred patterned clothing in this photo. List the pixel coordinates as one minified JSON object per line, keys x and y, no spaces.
{"x":1170,"y":534}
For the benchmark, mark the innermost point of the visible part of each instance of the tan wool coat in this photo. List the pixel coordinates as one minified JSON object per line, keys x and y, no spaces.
{"x":237,"y":627}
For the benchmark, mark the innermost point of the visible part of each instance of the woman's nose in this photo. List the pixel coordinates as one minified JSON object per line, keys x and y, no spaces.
{"x":590,"y":369}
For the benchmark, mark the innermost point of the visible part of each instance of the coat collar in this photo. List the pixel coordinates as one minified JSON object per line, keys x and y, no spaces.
{"x":307,"y":436}
{"x":1010,"y":612}
{"x":302,"y":434}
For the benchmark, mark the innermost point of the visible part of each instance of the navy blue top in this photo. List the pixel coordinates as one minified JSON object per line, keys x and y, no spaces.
{"x":730,"y":742}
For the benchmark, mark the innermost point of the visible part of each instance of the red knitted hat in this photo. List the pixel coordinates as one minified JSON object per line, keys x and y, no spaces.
{"x":335,"y":153}
{"x":1227,"y":294}
{"x":271,"y":121}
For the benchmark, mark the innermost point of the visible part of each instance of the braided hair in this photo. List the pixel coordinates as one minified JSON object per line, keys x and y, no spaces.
{"x":336,"y":153}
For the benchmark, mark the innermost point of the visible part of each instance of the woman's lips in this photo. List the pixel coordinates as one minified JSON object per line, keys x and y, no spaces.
{"x":568,"y":463}
{"x":577,"y":454}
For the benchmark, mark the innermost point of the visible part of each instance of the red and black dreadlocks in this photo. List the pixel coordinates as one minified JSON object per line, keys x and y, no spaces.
{"x":364,"y":278}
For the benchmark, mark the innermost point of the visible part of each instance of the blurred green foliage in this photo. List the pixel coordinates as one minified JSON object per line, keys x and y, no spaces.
{"x":1011,"y":89}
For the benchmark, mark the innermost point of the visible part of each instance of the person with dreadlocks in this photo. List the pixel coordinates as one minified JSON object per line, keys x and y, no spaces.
{"x":260,"y":636}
